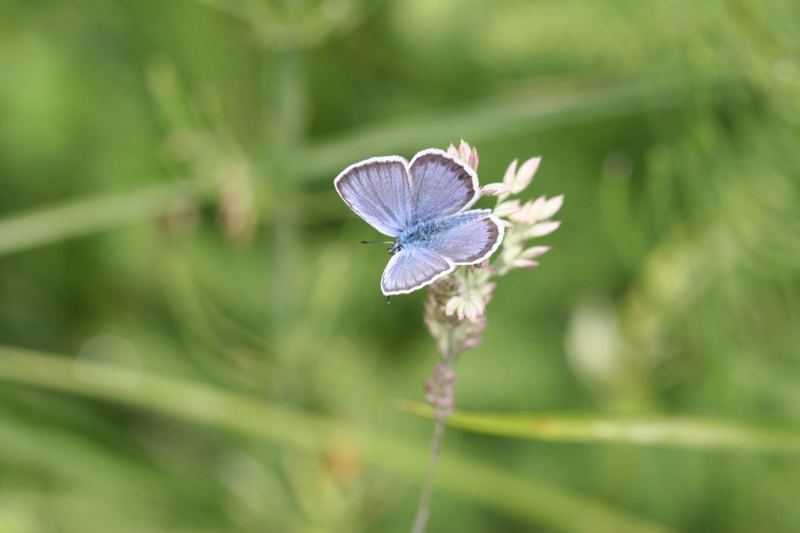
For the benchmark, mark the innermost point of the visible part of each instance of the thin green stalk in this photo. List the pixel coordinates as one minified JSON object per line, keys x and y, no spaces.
{"x":423,"y":507}
{"x":495,"y":118}
{"x":83,"y":217}
{"x":461,"y":475}
{"x":285,"y":123}
{"x":686,"y":432}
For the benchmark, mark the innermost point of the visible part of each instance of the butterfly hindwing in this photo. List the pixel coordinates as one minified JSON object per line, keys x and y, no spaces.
{"x":466,"y":238}
{"x":412,"y":268}
{"x":378,"y":190}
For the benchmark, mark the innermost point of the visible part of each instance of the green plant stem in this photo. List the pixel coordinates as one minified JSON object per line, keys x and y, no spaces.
{"x":498,"y":117}
{"x":423,"y":507}
{"x":83,"y":217}
{"x":527,"y":499}
{"x":285,"y":100}
{"x":687,"y":432}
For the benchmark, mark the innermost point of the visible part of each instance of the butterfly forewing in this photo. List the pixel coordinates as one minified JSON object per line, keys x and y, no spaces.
{"x":378,"y":190}
{"x":441,"y":185}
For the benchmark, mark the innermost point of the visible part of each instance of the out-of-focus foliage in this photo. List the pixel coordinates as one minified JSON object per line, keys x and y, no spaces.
{"x":166,"y":208}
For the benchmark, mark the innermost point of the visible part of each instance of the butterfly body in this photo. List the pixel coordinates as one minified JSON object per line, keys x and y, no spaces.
{"x":424,"y":204}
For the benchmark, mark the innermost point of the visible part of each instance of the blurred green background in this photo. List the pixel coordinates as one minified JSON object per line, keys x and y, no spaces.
{"x":194,"y":341}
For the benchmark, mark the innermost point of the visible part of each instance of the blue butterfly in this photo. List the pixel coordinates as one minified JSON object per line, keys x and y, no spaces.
{"x":424,"y":205}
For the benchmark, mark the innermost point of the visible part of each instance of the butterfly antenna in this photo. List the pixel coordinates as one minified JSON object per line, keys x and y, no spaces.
{"x":387,"y":300}
{"x":377,"y":242}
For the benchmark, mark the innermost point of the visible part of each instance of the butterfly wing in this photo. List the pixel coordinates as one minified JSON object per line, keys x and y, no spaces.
{"x":413,"y":268}
{"x":441,"y":185}
{"x":466,"y":238}
{"x":392,"y":195}
{"x":379,"y":191}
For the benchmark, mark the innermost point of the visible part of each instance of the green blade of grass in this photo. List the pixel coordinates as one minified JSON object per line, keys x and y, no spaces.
{"x":461,"y":475}
{"x":496,"y":118}
{"x":686,"y":432}
{"x":83,"y":217}
{"x":478,"y":122}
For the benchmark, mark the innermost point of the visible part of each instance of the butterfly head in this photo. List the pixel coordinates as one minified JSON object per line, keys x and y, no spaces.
{"x":395,"y":247}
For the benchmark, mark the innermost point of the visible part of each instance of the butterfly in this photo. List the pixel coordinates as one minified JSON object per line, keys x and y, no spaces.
{"x":424,"y":205}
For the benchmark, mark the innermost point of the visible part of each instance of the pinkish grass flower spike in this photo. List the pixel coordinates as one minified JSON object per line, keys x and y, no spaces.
{"x":455,"y":309}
